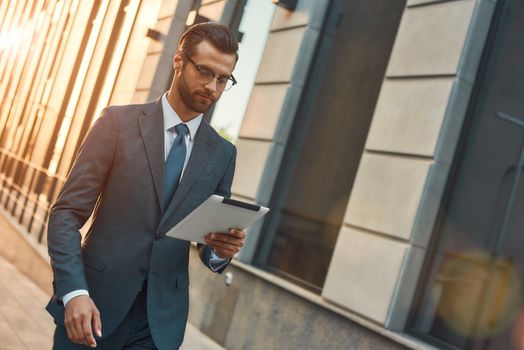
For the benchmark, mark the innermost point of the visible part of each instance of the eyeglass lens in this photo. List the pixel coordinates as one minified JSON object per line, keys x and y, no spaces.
{"x":206,"y":75}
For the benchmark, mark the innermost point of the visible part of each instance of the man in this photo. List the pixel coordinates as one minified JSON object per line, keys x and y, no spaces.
{"x":141,"y":169}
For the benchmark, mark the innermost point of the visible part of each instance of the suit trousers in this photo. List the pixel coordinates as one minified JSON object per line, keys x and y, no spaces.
{"x":132,"y":334}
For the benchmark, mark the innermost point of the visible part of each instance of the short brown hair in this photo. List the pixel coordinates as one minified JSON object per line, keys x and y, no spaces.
{"x":218,"y":35}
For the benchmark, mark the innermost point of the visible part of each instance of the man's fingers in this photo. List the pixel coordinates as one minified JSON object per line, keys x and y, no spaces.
{"x":224,"y":238}
{"x":225,"y":245}
{"x":77,"y":330}
{"x":226,"y":251}
{"x":237,"y":233}
{"x":79,"y":312}
{"x":69,"y":326}
{"x":97,"y":323}
{"x":71,"y":333}
{"x":225,"y":254}
{"x":89,"y":339}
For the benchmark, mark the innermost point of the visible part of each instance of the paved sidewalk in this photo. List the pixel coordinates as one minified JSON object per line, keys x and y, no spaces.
{"x":25,"y":325}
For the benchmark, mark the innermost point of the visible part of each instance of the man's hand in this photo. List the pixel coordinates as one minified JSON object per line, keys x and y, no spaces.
{"x":226,"y":245}
{"x":79,"y":312}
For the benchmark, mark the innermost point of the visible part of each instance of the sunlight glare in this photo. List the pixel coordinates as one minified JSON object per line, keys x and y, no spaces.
{"x":10,"y":38}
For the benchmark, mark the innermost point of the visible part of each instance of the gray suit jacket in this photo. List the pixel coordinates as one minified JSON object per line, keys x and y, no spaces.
{"x":119,"y":173}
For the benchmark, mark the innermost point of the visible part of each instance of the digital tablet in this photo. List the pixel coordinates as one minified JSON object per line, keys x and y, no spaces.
{"x":216,"y":214}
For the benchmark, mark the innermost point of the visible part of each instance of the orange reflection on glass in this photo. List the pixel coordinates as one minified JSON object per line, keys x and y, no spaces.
{"x":480,"y":293}
{"x":517,"y":331}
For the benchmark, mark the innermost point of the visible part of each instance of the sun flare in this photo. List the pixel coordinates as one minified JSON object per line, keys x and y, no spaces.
{"x":10,"y":38}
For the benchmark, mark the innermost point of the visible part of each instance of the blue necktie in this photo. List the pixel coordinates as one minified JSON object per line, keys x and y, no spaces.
{"x":174,"y":162}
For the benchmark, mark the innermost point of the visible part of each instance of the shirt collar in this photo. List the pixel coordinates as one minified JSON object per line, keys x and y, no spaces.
{"x":171,"y":118}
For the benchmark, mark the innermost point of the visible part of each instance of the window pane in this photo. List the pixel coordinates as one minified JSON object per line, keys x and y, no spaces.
{"x":474,"y":290}
{"x":230,"y":109}
{"x":317,"y":188}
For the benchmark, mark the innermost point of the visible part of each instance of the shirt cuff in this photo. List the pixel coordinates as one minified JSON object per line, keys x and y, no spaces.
{"x":216,"y":263}
{"x":71,"y":295}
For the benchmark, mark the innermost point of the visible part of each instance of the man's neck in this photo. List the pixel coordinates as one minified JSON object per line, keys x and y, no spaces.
{"x":183,"y":112}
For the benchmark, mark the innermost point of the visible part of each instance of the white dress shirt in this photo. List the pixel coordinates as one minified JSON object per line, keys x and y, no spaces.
{"x":171,"y":119}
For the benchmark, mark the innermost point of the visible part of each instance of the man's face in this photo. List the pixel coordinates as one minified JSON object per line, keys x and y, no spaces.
{"x":199,"y":96}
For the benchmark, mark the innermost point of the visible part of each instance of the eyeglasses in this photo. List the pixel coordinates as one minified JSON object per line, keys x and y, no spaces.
{"x":205,"y":75}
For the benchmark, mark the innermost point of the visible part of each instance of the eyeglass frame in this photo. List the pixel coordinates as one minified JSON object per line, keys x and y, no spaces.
{"x":217,"y":76}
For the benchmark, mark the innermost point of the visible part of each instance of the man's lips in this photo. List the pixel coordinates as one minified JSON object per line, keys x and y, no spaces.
{"x":205,"y":97}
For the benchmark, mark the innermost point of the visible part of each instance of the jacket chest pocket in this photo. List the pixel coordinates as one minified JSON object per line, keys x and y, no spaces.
{"x":95,"y":259}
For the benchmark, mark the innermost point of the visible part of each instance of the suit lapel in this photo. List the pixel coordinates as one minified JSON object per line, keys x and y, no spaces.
{"x":152,"y":131}
{"x":202,"y":149}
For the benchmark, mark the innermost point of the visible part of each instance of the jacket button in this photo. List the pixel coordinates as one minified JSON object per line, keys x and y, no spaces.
{"x":143,"y":271}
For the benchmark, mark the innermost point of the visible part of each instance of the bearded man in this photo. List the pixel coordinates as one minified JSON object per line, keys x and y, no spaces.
{"x":141,"y":169}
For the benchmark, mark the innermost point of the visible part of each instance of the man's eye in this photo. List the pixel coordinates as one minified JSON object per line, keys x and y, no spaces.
{"x":207,"y":72}
{"x":223,"y":80}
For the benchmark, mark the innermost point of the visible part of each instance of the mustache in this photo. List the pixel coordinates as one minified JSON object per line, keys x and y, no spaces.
{"x":206,"y":94}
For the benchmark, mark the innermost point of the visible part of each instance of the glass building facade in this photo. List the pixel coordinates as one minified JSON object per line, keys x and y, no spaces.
{"x":59,"y":62}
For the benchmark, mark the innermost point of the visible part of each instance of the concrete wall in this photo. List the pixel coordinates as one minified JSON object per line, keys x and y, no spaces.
{"x":254,"y":313}
{"x":392,"y":209}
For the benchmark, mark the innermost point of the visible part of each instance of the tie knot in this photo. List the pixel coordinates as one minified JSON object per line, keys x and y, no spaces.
{"x":181,"y":129}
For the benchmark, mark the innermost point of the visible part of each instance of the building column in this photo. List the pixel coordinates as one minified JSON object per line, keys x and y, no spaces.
{"x":416,"y":124}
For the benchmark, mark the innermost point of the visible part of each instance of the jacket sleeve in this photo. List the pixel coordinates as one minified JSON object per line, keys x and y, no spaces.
{"x":75,"y":204}
{"x":223,"y":189}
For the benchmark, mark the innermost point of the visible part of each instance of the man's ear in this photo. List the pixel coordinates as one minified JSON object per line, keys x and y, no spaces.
{"x":178,"y":61}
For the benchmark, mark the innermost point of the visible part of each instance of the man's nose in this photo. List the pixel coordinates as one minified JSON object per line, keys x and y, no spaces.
{"x":212,"y":84}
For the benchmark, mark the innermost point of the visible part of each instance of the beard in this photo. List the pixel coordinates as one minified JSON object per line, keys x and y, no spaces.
{"x":194,"y":100}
